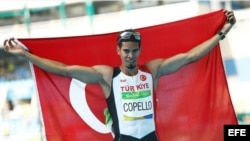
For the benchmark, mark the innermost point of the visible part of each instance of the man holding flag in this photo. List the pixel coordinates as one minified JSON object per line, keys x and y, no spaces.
{"x":129,"y":89}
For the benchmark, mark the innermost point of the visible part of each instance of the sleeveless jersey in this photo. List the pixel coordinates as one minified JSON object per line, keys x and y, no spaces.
{"x":131,"y":104}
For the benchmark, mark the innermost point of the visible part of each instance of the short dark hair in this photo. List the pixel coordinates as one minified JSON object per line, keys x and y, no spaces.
{"x":128,"y":35}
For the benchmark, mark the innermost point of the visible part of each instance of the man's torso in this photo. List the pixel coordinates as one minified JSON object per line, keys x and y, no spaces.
{"x":131,"y":104}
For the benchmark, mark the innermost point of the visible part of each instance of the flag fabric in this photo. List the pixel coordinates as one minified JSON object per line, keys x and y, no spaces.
{"x":191,"y":104}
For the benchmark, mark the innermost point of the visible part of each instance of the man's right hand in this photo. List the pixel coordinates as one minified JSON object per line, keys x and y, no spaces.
{"x":11,"y":46}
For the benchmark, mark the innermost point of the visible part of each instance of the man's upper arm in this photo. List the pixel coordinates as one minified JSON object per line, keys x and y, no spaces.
{"x":160,"y":67}
{"x":95,"y":74}
{"x":174,"y":63}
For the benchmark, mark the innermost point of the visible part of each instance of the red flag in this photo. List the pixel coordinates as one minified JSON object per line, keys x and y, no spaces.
{"x":192,"y":104}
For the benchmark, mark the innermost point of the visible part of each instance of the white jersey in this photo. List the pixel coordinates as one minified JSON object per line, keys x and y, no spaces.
{"x":131,"y":104}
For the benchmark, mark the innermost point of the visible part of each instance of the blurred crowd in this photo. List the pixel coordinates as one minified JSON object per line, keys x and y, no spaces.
{"x":13,"y":68}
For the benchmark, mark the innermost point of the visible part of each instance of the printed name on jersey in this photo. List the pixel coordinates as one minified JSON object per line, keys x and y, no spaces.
{"x":137,"y":106}
{"x":137,"y":102}
{"x":135,"y":88}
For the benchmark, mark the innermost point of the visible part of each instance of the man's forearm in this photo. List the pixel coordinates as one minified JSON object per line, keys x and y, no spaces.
{"x":46,"y":64}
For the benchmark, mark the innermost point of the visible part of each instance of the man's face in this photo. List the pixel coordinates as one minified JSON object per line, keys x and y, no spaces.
{"x":129,"y":53}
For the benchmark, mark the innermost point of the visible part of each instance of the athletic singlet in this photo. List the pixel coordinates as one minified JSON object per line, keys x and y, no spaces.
{"x":131,"y":106}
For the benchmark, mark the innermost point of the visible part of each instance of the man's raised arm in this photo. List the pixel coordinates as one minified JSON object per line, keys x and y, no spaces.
{"x":166,"y":66}
{"x":82,"y":73}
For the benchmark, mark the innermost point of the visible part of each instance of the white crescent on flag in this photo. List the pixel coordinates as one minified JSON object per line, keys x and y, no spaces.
{"x":76,"y":92}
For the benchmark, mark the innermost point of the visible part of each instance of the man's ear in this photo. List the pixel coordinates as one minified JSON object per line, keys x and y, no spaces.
{"x":118,"y":49}
{"x":140,"y":49}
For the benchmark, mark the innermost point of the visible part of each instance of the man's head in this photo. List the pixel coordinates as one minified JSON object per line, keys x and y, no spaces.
{"x":129,"y":48}
{"x":128,"y":35}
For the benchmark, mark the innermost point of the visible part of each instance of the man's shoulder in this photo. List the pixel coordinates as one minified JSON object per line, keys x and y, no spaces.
{"x":144,"y":68}
{"x":104,"y":69}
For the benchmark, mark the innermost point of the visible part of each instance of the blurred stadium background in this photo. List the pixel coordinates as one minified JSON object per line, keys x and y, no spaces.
{"x":19,"y":107}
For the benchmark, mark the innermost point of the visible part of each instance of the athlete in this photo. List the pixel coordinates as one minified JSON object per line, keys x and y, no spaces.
{"x":128,"y":88}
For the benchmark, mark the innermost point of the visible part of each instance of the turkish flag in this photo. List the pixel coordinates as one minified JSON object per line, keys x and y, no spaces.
{"x":192,"y":104}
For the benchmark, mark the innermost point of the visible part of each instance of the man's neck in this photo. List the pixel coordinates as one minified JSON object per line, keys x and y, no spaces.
{"x":129,"y":72}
